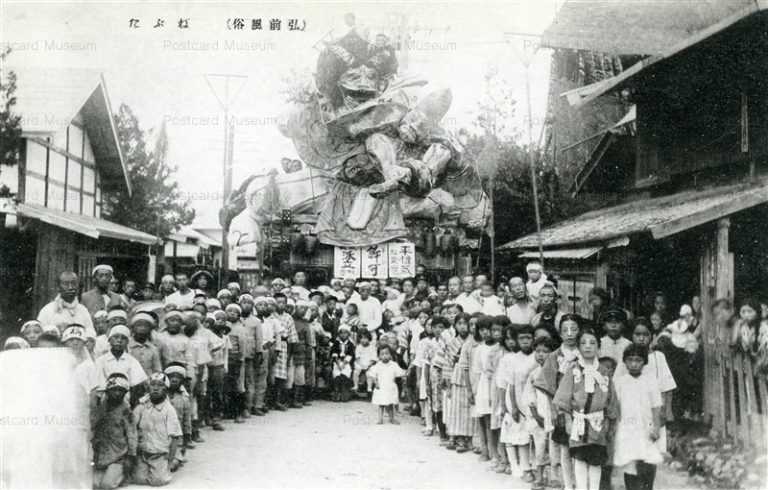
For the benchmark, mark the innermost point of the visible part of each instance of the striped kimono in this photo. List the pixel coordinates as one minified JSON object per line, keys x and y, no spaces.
{"x":459,"y":419}
{"x":436,"y":375}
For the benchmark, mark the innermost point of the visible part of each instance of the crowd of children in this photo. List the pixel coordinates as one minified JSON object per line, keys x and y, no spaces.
{"x":555,"y":399}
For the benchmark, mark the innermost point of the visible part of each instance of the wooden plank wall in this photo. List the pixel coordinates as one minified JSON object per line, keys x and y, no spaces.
{"x":55,"y":254}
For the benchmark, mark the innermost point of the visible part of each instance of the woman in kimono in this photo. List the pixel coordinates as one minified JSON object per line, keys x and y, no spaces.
{"x":585,"y":400}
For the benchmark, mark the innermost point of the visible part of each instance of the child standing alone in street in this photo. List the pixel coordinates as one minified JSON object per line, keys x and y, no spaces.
{"x":383,"y":375}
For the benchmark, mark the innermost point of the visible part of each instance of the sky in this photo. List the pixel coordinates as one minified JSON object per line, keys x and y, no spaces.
{"x":160,"y":72}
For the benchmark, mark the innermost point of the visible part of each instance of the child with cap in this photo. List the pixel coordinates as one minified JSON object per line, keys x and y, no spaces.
{"x":159,"y":432}
{"x":613,"y":342}
{"x":12,"y":343}
{"x":225,"y":297}
{"x":216,"y":370}
{"x":117,"y":360}
{"x":101,"y":325}
{"x":117,"y":316}
{"x":203,"y":342}
{"x":253,"y":350}
{"x":174,"y":345}
{"x":51,"y":337}
{"x":85,"y":372}
{"x":140,"y":347}
{"x":212,"y":304}
{"x":181,"y":402}
{"x":31,"y":332}
{"x":114,"y":435}
{"x":234,"y":379}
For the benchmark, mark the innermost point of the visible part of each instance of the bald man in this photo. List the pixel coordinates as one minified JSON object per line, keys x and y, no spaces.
{"x":521,"y":309}
{"x":65,"y":309}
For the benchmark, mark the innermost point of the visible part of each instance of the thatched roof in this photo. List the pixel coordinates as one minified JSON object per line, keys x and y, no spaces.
{"x":633,"y":27}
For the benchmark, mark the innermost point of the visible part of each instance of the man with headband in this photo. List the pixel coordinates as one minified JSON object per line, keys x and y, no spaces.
{"x":100,"y":297}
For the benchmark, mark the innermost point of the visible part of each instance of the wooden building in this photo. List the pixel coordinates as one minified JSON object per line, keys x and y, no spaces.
{"x":693,"y":187}
{"x":52,"y":215}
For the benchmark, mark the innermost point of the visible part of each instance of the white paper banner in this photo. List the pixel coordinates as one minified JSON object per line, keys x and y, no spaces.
{"x":402,"y":259}
{"x":346,"y":262}
{"x":374,"y":261}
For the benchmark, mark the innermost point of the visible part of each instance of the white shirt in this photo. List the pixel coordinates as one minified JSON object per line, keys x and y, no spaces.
{"x":60,"y":313}
{"x":181,"y":301}
{"x":125,"y":364}
{"x":369,"y":311}
{"x":468,"y":302}
{"x":491,"y":305}
{"x":614,"y":348}
{"x":534,"y":287}
{"x":521,"y":315}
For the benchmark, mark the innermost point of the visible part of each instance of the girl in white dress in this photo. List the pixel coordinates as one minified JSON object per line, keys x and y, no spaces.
{"x":515,"y":431}
{"x":657,"y":368}
{"x":383,"y":375}
{"x":637,"y":430}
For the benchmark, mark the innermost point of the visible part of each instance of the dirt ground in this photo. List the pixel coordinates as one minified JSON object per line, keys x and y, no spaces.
{"x":338,"y":446}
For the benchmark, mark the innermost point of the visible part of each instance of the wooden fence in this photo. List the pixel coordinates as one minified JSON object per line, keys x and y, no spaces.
{"x":736,"y":396}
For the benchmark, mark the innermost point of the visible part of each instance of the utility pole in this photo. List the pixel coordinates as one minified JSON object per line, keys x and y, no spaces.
{"x":229,"y":139}
{"x":531,"y":162}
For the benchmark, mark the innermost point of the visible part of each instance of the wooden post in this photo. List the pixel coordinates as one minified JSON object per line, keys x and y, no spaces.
{"x":724,"y":278}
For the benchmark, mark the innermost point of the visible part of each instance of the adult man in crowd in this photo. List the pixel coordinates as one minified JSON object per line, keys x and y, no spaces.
{"x":100,"y":297}
{"x":368,"y":307}
{"x":468,"y":299}
{"x":65,"y":309}
{"x":183,"y":298}
{"x":549,"y":315}
{"x":129,"y":290}
{"x":520,"y":310}
{"x":299,"y":286}
{"x":454,"y":290}
{"x":167,"y":287}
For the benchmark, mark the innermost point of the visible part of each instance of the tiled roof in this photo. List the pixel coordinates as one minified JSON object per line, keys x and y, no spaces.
{"x":633,"y":27}
{"x":662,"y":216}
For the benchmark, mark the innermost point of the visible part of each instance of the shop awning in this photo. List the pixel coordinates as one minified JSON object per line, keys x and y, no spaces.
{"x":85,"y":225}
{"x":567,"y":254}
{"x":661,"y":217}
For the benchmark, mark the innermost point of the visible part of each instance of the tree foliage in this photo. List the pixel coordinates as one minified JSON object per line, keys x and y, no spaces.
{"x":10,"y":123}
{"x":503,"y":162}
{"x":156,"y":205}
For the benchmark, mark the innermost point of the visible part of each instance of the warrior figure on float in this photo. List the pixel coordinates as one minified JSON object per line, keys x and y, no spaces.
{"x":375,"y":149}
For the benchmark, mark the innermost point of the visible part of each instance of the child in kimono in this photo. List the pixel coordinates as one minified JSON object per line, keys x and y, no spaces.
{"x":515,"y":430}
{"x":585,"y":402}
{"x":548,"y":381}
{"x":435,"y":375}
{"x":499,"y":326}
{"x":460,"y":422}
{"x":540,"y":422}
{"x":482,"y":332}
{"x":343,"y":357}
{"x":383,"y":375}
{"x":637,"y":451}
{"x":114,"y":436}
{"x":421,"y":360}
